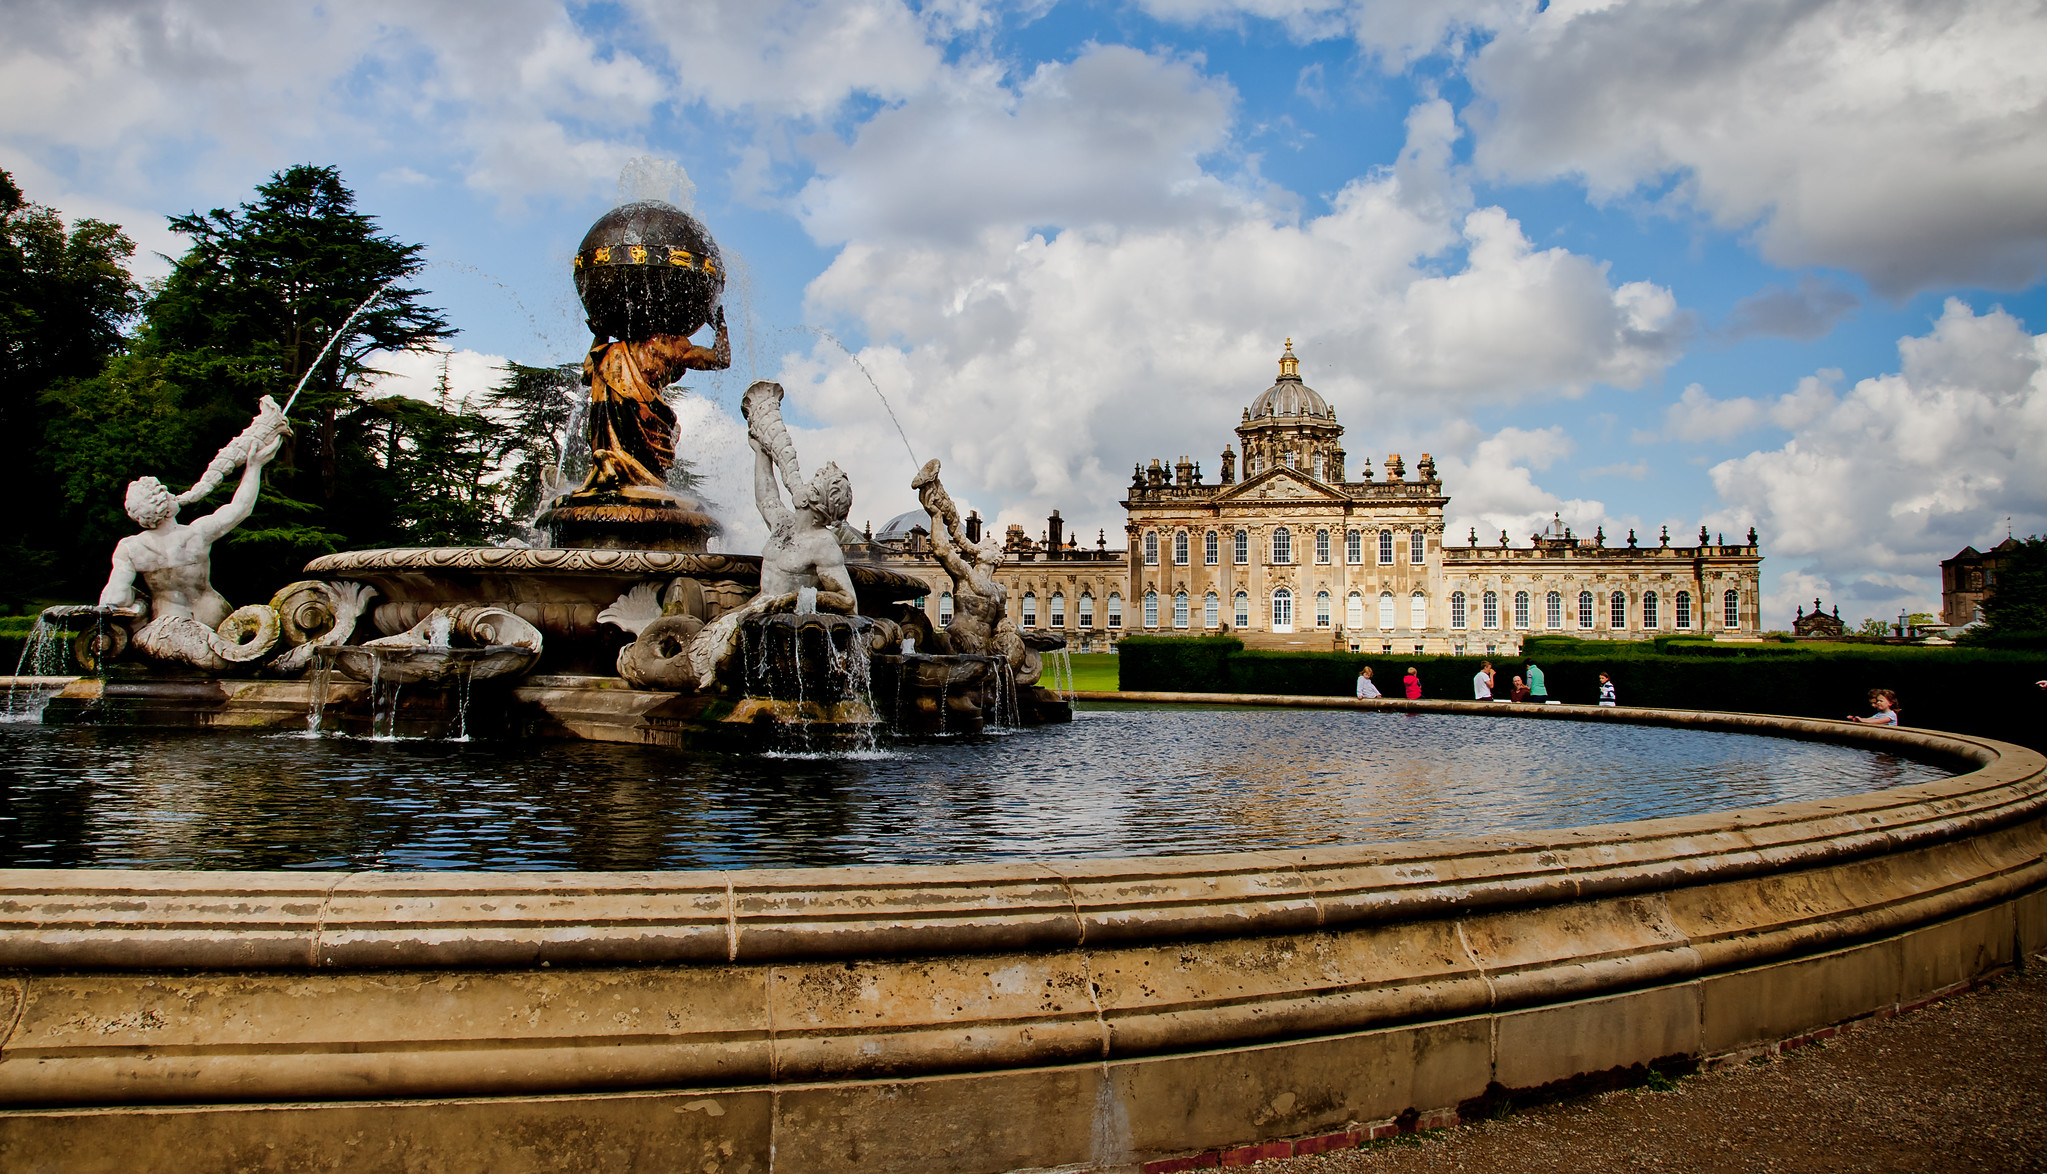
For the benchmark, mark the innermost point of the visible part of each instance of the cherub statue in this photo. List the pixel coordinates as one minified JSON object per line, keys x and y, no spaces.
{"x":186,"y":618}
{"x":980,"y":615}
{"x":802,"y":550}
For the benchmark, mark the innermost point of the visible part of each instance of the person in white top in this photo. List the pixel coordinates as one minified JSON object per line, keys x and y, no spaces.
{"x":1366,"y":689}
{"x":1885,"y":703}
{"x":1482,"y":682}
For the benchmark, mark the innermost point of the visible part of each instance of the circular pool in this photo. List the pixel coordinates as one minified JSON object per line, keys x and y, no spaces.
{"x":1123,"y":781}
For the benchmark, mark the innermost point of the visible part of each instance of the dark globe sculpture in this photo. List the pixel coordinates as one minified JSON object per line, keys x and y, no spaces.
{"x":649,"y":269}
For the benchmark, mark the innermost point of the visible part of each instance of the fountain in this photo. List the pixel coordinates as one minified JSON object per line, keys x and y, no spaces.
{"x":623,"y":627}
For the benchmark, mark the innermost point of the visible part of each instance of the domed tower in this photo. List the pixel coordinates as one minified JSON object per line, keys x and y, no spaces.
{"x":1289,"y":425}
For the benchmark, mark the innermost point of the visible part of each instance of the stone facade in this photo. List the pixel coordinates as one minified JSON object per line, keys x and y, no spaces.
{"x":1968,"y":579}
{"x":1297,"y":554}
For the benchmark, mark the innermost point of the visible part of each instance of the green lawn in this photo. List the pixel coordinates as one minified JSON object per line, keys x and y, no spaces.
{"x":1093,"y":670}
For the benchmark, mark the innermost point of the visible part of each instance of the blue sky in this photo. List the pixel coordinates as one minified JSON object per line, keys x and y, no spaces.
{"x":1642,"y":263}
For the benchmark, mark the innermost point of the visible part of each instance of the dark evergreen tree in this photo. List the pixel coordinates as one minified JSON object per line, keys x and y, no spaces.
{"x":64,"y":298}
{"x":537,"y":404}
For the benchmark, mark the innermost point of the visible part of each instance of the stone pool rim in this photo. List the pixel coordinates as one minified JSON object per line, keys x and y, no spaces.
{"x":1148,"y":1011}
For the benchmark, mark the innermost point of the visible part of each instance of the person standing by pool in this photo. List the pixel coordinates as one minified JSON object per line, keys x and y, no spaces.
{"x":1413,"y":682}
{"x":1885,"y":703}
{"x":1366,"y":689}
{"x":1482,"y":682}
{"x":1607,"y":695}
{"x":1536,"y":692}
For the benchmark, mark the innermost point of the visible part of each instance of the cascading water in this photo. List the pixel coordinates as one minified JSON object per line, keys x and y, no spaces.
{"x":323,"y":677}
{"x":42,"y":657}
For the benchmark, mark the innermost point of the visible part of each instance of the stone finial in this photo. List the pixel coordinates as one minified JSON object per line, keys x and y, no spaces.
{"x":1599,"y":535}
{"x":1704,"y":538}
{"x":1666,"y":535}
{"x":1474,"y":535}
{"x":1631,"y":538}
{"x":1503,"y":538}
{"x":1425,"y":469}
{"x":1751,"y":535}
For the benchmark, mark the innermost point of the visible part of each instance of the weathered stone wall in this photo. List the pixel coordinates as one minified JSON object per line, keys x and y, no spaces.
{"x":1070,"y":1014}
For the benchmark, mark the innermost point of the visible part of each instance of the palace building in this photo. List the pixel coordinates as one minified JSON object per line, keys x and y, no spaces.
{"x":1296,"y":553}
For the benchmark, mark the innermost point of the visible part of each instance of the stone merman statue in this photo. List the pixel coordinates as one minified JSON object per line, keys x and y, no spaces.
{"x":802,"y":549}
{"x":186,"y":618}
{"x":980,"y":613}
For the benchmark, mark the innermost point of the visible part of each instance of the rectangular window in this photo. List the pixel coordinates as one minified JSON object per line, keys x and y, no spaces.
{"x":1385,"y":548}
{"x":1386,"y":612}
{"x":1417,"y":611}
{"x":1151,"y":609}
{"x":1417,"y":552}
{"x":1321,"y":609}
{"x":1354,"y":547}
{"x":1210,"y":610}
{"x":1322,"y":546}
{"x":1179,"y":609}
{"x":1180,"y":548}
{"x":1243,"y":609}
{"x":1354,"y":611}
{"x":1521,"y":609}
{"x":1211,"y":550}
{"x":1491,"y":613}
{"x":1243,"y":547}
{"x":1457,"y":615}
{"x":1151,"y":549}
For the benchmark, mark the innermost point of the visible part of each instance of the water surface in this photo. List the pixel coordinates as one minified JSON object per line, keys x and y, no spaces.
{"x":1120,"y":781}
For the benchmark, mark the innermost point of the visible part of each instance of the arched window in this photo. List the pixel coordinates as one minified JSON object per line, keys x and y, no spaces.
{"x":1354,"y":547}
{"x":1354,"y":611}
{"x":1731,"y":610}
{"x":1321,"y":546}
{"x":1649,"y":617}
{"x":1179,"y":609}
{"x":1243,"y":609}
{"x":1521,"y":609}
{"x":1211,"y":550}
{"x":945,"y":609}
{"x":1211,"y":610}
{"x":1282,"y":610}
{"x":1490,"y":614}
{"x":1457,"y":616}
{"x":1554,"y":609}
{"x":1584,"y":609}
{"x":1087,"y":609}
{"x":1321,"y":609}
{"x":1180,"y":548}
{"x":1684,"y":609}
{"x":1030,"y":610}
{"x":1115,"y":614}
{"x":1151,"y":609}
{"x":1058,"y":609}
{"x":1417,"y":611}
{"x":1282,"y":546}
{"x":1385,"y":548}
{"x":1617,"y":611}
{"x":1243,"y":552}
{"x":1151,"y":548}
{"x":1417,"y":552}
{"x":1385,"y":611}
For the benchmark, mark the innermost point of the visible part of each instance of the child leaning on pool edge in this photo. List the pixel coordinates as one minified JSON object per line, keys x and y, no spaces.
{"x":1413,"y":681}
{"x":1885,"y":703}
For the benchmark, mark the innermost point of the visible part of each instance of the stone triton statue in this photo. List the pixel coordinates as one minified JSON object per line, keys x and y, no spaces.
{"x":186,"y":619}
{"x":980,"y":618}
{"x":802,"y":551}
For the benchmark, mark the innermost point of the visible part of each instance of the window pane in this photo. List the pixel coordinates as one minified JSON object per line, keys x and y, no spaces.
{"x":1492,"y":609}
{"x":1385,"y":548}
{"x":1321,"y":609}
{"x":1243,"y":547}
{"x":1457,"y":609}
{"x":1243,"y":609}
{"x":1087,"y":611}
{"x":1617,"y":614}
{"x":1030,"y":610}
{"x":1684,"y":609}
{"x":1115,"y":609}
{"x":945,"y":609}
{"x":1210,"y":610}
{"x":1354,"y":610}
{"x":1417,"y":552}
{"x":1179,"y":609}
{"x":1354,"y":547}
{"x":1556,"y":609}
{"x":1058,"y":609}
{"x":1417,"y":611}
{"x":1282,"y":546}
{"x":1732,"y":608}
{"x":1151,"y":609}
{"x":1521,"y":609}
{"x":1584,"y":609}
{"x":1321,"y":546}
{"x":1386,"y":611}
{"x":1151,"y":550}
{"x":1180,"y":549}
{"x":1210,"y":549}
{"x":1282,"y":609}
{"x":1649,"y":616}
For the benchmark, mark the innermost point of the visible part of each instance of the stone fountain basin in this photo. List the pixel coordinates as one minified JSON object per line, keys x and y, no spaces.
{"x":407,"y":665}
{"x":1031,"y":1015}
{"x":561,"y":591}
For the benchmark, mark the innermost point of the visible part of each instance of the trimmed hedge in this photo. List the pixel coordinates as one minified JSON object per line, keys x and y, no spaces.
{"x":1967,"y":690}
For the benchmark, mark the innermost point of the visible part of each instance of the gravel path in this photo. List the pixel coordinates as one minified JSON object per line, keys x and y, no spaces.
{"x":1958,"y":1086}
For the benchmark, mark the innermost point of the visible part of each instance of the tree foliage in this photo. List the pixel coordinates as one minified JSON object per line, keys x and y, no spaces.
{"x":2017,"y":606}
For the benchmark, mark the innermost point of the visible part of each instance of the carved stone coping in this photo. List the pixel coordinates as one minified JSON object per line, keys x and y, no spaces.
{"x":127,"y":919}
{"x":623,"y":564}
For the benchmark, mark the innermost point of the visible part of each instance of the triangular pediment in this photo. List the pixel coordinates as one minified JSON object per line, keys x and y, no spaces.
{"x":1281,"y":484}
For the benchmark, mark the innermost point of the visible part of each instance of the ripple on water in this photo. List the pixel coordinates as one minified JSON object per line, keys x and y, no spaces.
{"x":1117,"y":782}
